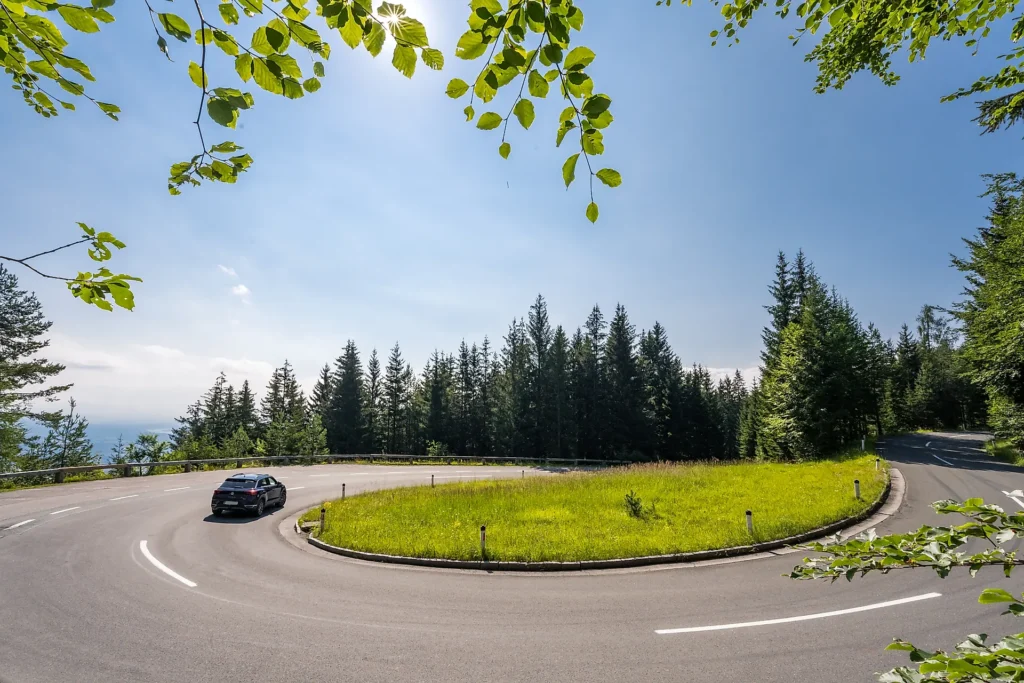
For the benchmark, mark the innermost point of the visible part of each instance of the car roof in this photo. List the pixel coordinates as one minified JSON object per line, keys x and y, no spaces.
{"x":247,"y":475}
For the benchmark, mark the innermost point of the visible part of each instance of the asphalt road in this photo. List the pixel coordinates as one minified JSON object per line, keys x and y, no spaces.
{"x":80,"y":601}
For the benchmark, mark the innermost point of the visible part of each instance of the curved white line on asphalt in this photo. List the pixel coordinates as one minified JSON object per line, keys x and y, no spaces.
{"x":66,"y":510}
{"x":806,"y":617}
{"x":1015,"y":499}
{"x":928,"y":444}
{"x":943,"y":460}
{"x":15,"y":526}
{"x":164,"y":568}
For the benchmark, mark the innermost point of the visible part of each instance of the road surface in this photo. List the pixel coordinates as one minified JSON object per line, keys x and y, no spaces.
{"x":133,"y":580}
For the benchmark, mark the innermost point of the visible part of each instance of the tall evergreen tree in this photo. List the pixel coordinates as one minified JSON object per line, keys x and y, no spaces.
{"x":373,"y":395}
{"x":781,"y":311}
{"x":626,"y":433}
{"x":67,"y":443}
{"x":541,"y":389}
{"x":323,"y":390}
{"x":661,"y":382}
{"x":345,"y":428}
{"x":245,"y":411}
{"x":397,"y":397}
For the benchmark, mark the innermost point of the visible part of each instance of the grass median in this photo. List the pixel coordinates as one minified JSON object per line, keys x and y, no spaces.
{"x":586,"y":516}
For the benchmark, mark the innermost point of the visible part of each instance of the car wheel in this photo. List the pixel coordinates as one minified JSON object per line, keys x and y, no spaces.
{"x":284,"y":497}
{"x":260,"y":504}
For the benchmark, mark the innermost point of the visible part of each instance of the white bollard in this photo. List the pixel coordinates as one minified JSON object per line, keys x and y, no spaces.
{"x":862,"y":442}
{"x":750,"y":522}
{"x":856,"y":488}
{"x":483,"y":542}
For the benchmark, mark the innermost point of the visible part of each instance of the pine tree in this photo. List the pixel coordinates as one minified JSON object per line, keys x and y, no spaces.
{"x":117,"y":451}
{"x":513,"y":397}
{"x":781,"y":310}
{"x":67,"y":443}
{"x":215,"y":411}
{"x":22,"y":326}
{"x":539,"y":381}
{"x":624,"y":388}
{"x":372,"y":397}
{"x":190,"y":425}
{"x":320,"y":399}
{"x":273,"y":403}
{"x":294,"y":401}
{"x":345,"y":429}
{"x":565,"y":428}
{"x":245,"y":408}
{"x":747,"y":436}
{"x":659,"y":372}
{"x":396,"y":400}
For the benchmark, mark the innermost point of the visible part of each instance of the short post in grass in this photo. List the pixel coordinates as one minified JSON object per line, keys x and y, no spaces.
{"x":856,"y":488}
{"x":323,"y":513}
{"x":483,"y":542}
{"x":862,"y":440}
{"x":750,"y":522}
{"x":343,"y":491}
{"x":878,"y":463}
{"x":524,"y":474}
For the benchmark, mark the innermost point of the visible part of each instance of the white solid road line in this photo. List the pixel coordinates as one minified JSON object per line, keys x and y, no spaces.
{"x":162,"y":567}
{"x":296,"y":488}
{"x":15,"y":526}
{"x":65,"y":510}
{"x":321,"y":475}
{"x":134,"y":495}
{"x":1014,"y":496}
{"x":179,"y":488}
{"x":806,"y":617}
{"x":943,"y":460}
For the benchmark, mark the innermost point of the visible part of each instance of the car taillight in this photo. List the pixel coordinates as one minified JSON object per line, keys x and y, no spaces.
{"x":220,"y":491}
{"x":251,"y":492}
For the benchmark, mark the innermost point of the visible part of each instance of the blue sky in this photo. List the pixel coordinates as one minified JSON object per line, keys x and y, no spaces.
{"x":374,"y":212}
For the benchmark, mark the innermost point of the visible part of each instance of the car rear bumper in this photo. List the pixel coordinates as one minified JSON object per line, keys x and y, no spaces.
{"x":239,"y":504}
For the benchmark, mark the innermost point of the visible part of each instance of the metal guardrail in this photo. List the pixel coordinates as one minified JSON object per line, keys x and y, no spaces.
{"x":126,"y":468}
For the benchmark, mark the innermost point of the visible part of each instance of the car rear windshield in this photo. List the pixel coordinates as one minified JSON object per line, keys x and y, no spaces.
{"x":238,"y":484}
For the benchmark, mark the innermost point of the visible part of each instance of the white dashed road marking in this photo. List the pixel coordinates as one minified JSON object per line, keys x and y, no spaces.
{"x":928,"y":445}
{"x":164,"y":568}
{"x":806,"y":617}
{"x":66,"y":510}
{"x":134,"y":495}
{"x":296,"y":488}
{"x":320,"y":475}
{"x":943,"y":460}
{"x":15,"y":526}
{"x":1016,"y":496}
{"x":179,"y":488}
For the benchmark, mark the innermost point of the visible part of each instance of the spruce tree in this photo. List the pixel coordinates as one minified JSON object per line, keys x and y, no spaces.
{"x":67,"y":443}
{"x":345,"y":429}
{"x":559,"y":365}
{"x":215,"y":411}
{"x":396,"y":400}
{"x":624,"y":388}
{"x":658,"y":369}
{"x":320,"y":398}
{"x":781,"y":310}
{"x":373,"y":385}
{"x":540,"y":391}
{"x":245,"y":411}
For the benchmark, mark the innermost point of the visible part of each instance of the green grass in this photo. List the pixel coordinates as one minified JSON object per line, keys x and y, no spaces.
{"x":583,"y":516}
{"x":1003,"y":450}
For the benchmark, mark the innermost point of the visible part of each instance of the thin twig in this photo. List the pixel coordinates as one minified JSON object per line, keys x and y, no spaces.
{"x":202,"y":71}
{"x":526,"y":76}
{"x":35,"y":270}
{"x":44,"y":253}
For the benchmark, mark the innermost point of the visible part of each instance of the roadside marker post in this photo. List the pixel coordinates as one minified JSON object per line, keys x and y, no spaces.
{"x":524,"y":474}
{"x":323,"y":512}
{"x":750,"y":522}
{"x":862,"y":440}
{"x":856,"y":488}
{"x":483,"y":542}
{"x":343,"y":491}
{"x":431,"y":481}
{"x":877,"y":463}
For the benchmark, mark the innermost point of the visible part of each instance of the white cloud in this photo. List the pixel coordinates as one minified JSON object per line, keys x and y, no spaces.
{"x":749,"y":374}
{"x":227,"y":270}
{"x":145,"y":383}
{"x":241,"y":290}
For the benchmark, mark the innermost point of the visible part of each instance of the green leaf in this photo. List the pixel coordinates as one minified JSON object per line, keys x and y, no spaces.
{"x":409,"y":31}
{"x":80,"y":20}
{"x":292,"y":88}
{"x":318,"y":69}
{"x":404,"y":60}
{"x":457,"y":88}
{"x":110,"y":110}
{"x":592,"y":212}
{"x":468,"y":111}
{"x":432,"y":58}
{"x":596,"y":105}
{"x":306,"y":35}
{"x":538,"y":85}
{"x":374,"y":40}
{"x":471,"y":45}
{"x":222,"y":112}
{"x":243,"y":65}
{"x":352,"y":30}
{"x":311,"y":85}
{"x":603,"y":120}
{"x":593,"y":142}
{"x":524,"y":112}
{"x":562,"y":130}
{"x":175,"y":26}
{"x":579,"y":58}
{"x":41,"y":66}
{"x":195,"y":72}
{"x":993,"y":595}
{"x":486,"y":86}
{"x":286,"y":64}
{"x":610,"y":177}
{"x":226,"y":147}
{"x":504,"y":150}
{"x":551,"y":54}
{"x":225,"y":42}
{"x":91,"y":232}
{"x":569,"y":169}
{"x":252,"y":6}
{"x":204,"y":36}
{"x":265,"y":78}
{"x":228,"y":12}
{"x":579,"y":84}
{"x":489,"y":121}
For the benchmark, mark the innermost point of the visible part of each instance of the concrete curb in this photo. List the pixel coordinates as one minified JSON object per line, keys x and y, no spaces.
{"x":884,"y":507}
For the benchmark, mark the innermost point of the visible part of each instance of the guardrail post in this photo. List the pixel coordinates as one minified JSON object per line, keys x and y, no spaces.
{"x":856,"y":488}
{"x":483,"y":542}
{"x":750,"y":522}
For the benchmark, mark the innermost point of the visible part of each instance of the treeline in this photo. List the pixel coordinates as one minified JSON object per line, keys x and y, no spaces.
{"x":827,"y":380}
{"x":605,"y":392}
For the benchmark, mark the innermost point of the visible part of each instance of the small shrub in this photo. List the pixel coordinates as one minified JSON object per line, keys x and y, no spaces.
{"x":634,"y":505}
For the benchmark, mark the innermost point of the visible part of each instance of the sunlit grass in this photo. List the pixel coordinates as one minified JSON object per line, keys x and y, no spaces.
{"x":583,"y":516}
{"x":1003,"y":450}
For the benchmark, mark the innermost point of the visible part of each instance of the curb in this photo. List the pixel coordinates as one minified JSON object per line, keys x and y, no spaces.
{"x":883,"y":508}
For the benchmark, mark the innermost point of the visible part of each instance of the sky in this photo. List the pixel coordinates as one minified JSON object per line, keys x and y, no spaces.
{"x":374,"y":212}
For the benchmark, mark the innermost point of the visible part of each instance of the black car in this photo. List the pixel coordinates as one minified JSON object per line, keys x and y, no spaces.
{"x":249,"y":492}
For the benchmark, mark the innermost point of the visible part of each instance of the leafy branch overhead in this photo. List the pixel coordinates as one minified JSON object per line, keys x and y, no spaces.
{"x":100,"y":288}
{"x":939,"y":549}
{"x":536,"y":34}
{"x":273,"y":58}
